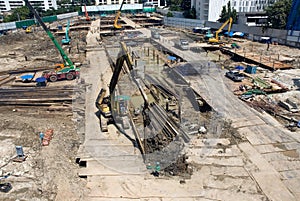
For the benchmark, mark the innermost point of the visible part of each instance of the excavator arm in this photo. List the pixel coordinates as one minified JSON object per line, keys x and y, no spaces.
{"x":118,"y":14}
{"x":222,"y":27}
{"x":66,"y":40}
{"x":125,"y":57}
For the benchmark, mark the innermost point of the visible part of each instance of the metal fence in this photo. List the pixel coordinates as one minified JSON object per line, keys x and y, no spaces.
{"x":183,"y":22}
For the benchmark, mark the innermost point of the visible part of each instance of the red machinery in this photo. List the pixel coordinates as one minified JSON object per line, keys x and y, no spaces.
{"x":87,"y":17}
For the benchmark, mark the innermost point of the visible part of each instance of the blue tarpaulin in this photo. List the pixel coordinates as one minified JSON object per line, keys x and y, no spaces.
{"x":230,"y":33}
{"x":171,"y":58}
{"x":40,"y":79}
{"x":26,"y":77}
{"x":239,"y":68}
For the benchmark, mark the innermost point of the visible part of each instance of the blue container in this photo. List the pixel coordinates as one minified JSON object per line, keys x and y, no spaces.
{"x":20,"y":152}
{"x":251,"y":69}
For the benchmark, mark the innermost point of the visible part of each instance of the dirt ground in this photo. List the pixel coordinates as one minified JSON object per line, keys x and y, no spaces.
{"x":49,"y":172}
{"x":19,"y":50}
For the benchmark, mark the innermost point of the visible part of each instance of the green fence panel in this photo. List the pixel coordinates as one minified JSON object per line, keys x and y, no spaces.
{"x":50,"y":18}
{"x":20,"y":24}
{"x":149,"y":9}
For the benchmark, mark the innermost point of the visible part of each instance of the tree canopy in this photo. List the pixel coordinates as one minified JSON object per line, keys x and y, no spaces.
{"x":182,"y":5}
{"x":228,"y":12}
{"x":278,"y":13}
{"x":21,"y":13}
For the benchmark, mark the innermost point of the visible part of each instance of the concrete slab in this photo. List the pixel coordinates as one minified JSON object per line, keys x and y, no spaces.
{"x":230,"y":161}
{"x":229,"y":171}
{"x":266,"y":176}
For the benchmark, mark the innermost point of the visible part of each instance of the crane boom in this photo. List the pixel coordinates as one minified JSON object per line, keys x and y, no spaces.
{"x":67,"y":62}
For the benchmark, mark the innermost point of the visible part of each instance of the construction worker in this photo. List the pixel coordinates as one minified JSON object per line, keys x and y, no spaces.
{"x":41,"y":136}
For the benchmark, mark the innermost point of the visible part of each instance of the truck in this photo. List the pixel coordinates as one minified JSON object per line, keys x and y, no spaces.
{"x":182,"y":44}
{"x":66,"y":70}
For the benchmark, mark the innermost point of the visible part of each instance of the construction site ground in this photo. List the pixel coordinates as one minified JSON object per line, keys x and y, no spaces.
{"x":247,"y":155}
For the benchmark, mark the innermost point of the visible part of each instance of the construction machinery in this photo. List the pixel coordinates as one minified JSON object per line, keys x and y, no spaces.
{"x":66,"y":70}
{"x":216,"y":39}
{"x":109,"y":105}
{"x":87,"y":17}
{"x":28,"y":29}
{"x":102,"y":103}
{"x":118,"y":14}
{"x":66,"y":40}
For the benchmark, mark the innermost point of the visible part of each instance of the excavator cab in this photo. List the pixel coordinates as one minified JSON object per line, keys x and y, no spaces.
{"x":59,"y":67}
{"x":28,"y":29}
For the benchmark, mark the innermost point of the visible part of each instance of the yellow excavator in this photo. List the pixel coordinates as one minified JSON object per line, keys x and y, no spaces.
{"x":107,"y":104}
{"x":216,"y":39}
{"x":118,"y":14}
{"x":28,"y":29}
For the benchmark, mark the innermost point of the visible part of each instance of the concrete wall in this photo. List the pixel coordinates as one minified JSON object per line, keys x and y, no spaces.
{"x":183,"y":22}
{"x":165,"y":12}
{"x":7,"y":26}
{"x":283,"y":37}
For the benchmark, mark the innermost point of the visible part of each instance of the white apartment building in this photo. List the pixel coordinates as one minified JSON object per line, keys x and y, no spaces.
{"x":210,"y":10}
{"x":251,"y":5}
{"x":110,"y":2}
{"x":7,"y":5}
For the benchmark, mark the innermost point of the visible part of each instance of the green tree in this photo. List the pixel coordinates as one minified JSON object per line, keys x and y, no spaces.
{"x":21,"y":13}
{"x":228,"y":12}
{"x":169,"y":14}
{"x":278,"y":13}
{"x":186,"y":5}
{"x":190,"y":13}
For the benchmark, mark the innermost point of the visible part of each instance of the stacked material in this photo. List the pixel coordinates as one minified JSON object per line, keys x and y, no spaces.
{"x":47,"y":137}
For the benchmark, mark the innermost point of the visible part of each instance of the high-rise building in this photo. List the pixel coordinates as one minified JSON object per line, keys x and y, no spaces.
{"x":7,"y":5}
{"x":210,"y":10}
{"x":251,"y":5}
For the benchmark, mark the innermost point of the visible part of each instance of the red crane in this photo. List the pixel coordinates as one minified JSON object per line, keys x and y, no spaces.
{"x":87,"y":17}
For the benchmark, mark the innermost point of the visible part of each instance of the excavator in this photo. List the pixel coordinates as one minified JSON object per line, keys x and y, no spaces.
{"x":66,"y":70}
{"x":28,"y":29}
{"x":118,"y":14}
{"x":66,"y":40}
{"x":105,"y":104}
{"x":216,"y":39}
